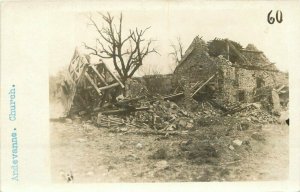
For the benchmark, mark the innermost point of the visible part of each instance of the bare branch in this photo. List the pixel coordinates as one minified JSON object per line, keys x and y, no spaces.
{"x":98,"y":30}
{"x":128,"y":53}
{"x":95,"y":52}
{"x":177,"y":52}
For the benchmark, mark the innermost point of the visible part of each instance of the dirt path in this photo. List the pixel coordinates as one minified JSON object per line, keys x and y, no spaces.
{"x":98,"y":155}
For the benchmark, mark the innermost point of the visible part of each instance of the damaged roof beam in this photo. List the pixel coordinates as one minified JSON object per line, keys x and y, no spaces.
{"x":92,"y":82}
{"x":201,"y":86}
{"x":250,"y":51}
{"x":109,"y":86}
{"x":98,"y":74}
{"x":113,"y":75}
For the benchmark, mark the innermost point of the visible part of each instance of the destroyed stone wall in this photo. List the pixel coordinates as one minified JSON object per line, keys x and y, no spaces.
{"x":135,"y":87}
{"x":234,"y":82}
{"x":281,"y":78}
{"x":246,"y":84}
{"x":225,"y":80}
{"x":148,"y":85}
{"x":256,"y":57}
{"x":197,"y":65}
{"x":158,"y":84}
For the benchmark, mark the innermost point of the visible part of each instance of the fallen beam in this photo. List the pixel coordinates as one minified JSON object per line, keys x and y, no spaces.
{"x":113,"y":75}
{"x":250,"y":51}
{"x":168,"y":97}
{"x":92,"y":82}
{"x":238,"y":109}
{"x":119,"y":111}
{"x":99,"y":75}
{"x":130,"y":100}
{"x":108,"y":86}
{"x":201,"y":86}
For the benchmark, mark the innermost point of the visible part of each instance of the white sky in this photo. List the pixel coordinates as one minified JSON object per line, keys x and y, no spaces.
{"x":171,"y":20}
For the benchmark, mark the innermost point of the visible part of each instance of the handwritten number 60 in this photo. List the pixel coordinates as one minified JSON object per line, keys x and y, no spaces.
{"x":278,"y":17}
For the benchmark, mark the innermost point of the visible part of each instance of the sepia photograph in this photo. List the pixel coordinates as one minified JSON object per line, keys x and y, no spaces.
{"x":169,"y":94}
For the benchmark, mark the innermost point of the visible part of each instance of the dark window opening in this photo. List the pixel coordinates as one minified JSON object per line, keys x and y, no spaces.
{"x":220,"y":84}
{"x":260,"y":83}
{"x":241,"y":95}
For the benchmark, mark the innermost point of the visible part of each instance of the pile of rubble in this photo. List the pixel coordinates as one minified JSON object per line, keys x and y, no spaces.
{"x":95,"y":91}
{"x":255,"y":114}
{"x":166,"y":115}
{"x":206,"y":109}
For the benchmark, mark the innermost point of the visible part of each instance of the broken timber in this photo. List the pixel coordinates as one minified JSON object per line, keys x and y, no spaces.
{"x":237,"y":109}
{"x":90,"y":83}
{"x":203,"y":84}
{"x":120,"y":111}
{"x":249,"y":66}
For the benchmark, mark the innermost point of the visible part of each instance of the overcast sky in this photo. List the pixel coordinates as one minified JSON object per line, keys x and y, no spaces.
{"x":171,"y":20}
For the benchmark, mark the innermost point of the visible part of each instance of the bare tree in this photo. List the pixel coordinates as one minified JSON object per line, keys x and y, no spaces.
{"x":127,"y":53}
{"x":177,"y":51}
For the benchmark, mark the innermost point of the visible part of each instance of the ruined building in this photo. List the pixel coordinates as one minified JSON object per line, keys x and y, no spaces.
{"x":251,"y":78}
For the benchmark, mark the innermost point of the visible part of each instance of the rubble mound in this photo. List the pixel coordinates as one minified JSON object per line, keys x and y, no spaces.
{"x":165,"y":115}
{"x":206,"y":109}
{"x":256,"y":115}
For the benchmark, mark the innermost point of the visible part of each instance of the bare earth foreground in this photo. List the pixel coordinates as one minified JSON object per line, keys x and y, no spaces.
{"x":210,"y":153}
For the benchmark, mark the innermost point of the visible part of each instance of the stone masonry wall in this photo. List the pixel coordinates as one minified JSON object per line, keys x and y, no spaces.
{"x":197,"y":66}
{"x":232,"y":83}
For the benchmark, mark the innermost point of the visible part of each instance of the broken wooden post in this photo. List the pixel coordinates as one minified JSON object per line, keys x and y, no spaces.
{"x":130,"y":100}
{"x":89,"y":80}
{"x":113,"y":75}
{"x":237,"y":109}
{"x":169,"y":97}
{"x":120,"y":111}
{"x":92,"y":82}
{"x":99,"y":75}
{"x":202,"y":85}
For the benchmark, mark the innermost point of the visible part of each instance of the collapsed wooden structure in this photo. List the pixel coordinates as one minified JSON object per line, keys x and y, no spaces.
{"x":89,"y":85}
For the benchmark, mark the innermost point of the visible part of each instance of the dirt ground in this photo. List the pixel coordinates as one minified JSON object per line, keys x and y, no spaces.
{"x":211,"y":153}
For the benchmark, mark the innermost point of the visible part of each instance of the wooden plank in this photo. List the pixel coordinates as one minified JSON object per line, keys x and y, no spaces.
{"x":173,"y":96}
{"x":237,"y":109}
{"x":280,"y":88}
{"x":250,"y":51}
{"x":208,"y":80}
{"x":249,"y":66}
{"x":99,"y":75}
{"x":92,"y":82}
{"x":237,"y":52}
{"x":264,"y":66}
{"x":196,"y":85}
{"x":109,"y":86}
{"x":252,"y":67}
{"x":118,"y":111}
{"x":113,"y":75}
{"x":82,"y":73}
{"x":130,"y":100}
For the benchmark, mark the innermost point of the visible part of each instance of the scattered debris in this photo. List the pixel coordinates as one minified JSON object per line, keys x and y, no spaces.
{"x":139,"y":146}
{"x":161,"y":165}
{"x":237,"y":142}
{"x":209,"y":106}
{"x":231,"y":147}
